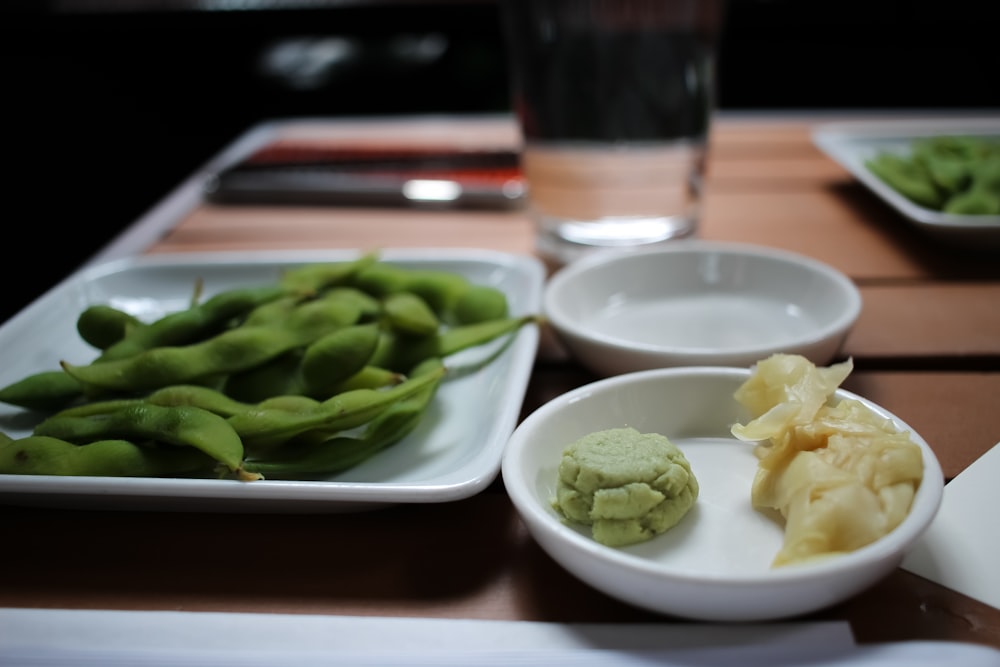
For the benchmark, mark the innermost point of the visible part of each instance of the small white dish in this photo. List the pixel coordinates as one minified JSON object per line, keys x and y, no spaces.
{"x":851,"y":143}
{"x":715,"y":564}
{"x":453,"y":454}
{"x":699,"y":303}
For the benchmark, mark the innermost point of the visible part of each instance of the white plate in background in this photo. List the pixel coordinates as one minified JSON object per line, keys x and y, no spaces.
{"x":852,"y":143}
{"x":453,"y":454}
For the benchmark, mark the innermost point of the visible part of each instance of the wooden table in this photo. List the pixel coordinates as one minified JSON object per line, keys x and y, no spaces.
{"x":927,"y":347}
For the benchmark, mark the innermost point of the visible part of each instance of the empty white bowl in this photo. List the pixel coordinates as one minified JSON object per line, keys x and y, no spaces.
{"x":699,"y":303}
{"x":715,"y":564}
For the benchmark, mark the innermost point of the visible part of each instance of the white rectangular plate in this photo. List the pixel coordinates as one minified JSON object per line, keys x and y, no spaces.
{"x":453,"y":454}
{"x":851,"y":143}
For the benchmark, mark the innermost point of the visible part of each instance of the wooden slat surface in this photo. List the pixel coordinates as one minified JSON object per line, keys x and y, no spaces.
{"x":927,"y":347}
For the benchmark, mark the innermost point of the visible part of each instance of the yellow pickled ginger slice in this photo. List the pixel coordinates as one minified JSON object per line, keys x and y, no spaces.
{"x":786,"y":389}
{"x":840,"y":475}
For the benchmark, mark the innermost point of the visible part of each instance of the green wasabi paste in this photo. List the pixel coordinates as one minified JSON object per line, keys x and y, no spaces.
{"x":628,"y":486}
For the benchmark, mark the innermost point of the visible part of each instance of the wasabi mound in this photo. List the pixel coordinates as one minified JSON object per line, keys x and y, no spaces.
{"x":628,"y":486}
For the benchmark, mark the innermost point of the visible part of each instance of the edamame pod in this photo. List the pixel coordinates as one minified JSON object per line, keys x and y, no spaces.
{"x":381,"y":278}
{"x":231,"y":351}
{"x":407,"y":313}
{"x":945,"y":173}
{"x":986,"y":174}
{"x":440,"y":289}
{"x":319,"y":316}
{"x":402,"y":353}
{"x":948,"y":174}
{"x":178,"y":425}
{"x":198,"y":396}
{"x":907,"y":177}
{"x":370,"y":377}
{"x":289,"y":403}
{"x":179,"y":394}
{"x":983,"y":194}
{"x":977,"y":201}
{"x":280,"y":375}
{"x":267,"y":428}
{"x":101,"y":325}
{"x":273,"y":312}
{"x":44,"y":455}
{"x":98,"y":407}
{"x":335,"y":357}
{"x":283,"y":374}
{"x":480,"y":303}
{"x":369,"y":306}
{"x":342,"y":452}
{"x":195,"y":323}
{"x":45,"y":391}
{"x":319,"y":276}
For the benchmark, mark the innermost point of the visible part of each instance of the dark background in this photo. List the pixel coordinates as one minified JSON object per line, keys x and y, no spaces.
{"x":107,"y":105}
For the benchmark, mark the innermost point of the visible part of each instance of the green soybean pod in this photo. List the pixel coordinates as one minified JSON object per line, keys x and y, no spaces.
{"x":906,"y":177}
{"x":319,"y":316}
{"x":101,"y":325}
{"x":409,"y":314}
{"x":198,"y":396}
{"x":273,"y":312}
{"x":289,"y":403}
{"x":331,"y":359}
{"x":986,"y":173}
{"x":44,"y":455}
{"x":439,"y":288}
{"x":480,"y":303}
{"x":402,"y":353}
{"x":44,"y":391}
{"x":263,"y":429}
{"x":280,"y":375}
{"x":176,"y":425}
{"x":179,"y":394}
{"x":381,"y":278}
{"x":976,"y":201}
{"x":342,"y":452}
{"x":316,"y":277}
{"x":370,"y":307}
{"x":231,"y":351}
{"x":949,"y":172}
{"x":193,"y":324}
{"x":371,"y":377}
{"x":100,"y":407}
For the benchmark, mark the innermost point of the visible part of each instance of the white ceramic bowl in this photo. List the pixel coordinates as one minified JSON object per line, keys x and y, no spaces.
{"x":699,"y":303}
{"x":715,"y":564}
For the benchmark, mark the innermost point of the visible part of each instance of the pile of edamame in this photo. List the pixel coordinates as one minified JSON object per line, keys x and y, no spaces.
{"x":952,"y":174}
{"x":306,"y":377}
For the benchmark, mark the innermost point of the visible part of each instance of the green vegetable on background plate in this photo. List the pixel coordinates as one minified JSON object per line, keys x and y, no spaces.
{"x":951,"y":174}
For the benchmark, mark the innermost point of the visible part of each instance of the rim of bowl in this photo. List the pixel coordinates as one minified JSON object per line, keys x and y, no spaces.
{"x":561,"y":320}
{"x":926,"y":502}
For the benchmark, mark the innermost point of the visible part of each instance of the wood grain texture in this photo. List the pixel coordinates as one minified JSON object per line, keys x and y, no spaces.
{"x":926,"y":347}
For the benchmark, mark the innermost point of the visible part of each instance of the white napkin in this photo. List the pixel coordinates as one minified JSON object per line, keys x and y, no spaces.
{"x":960,"y":548}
